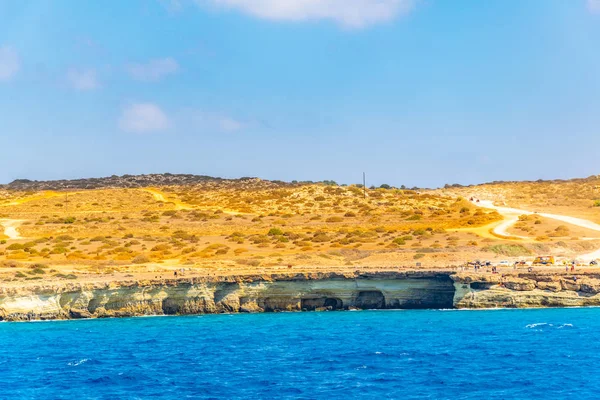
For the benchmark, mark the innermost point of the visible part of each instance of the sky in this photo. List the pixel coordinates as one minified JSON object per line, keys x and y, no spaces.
{"x":412,"y":92}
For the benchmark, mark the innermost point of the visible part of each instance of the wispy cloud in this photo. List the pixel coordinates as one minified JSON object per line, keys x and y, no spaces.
{"x":153,"y":70}
{"x":171,"y":5}
{"x":143,"y":118}
{"x":594,"y":6}
{"x":228,"y":124}
{"x":83,"y":79}
{"x":349,"y":13}
{"x":207,"y":121}
{"x":9,"y":63}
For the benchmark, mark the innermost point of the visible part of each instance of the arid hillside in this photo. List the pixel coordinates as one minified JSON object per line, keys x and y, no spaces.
{"x":157,"y":224}
{"x":575,"y":197}
{"x":244,"y":223}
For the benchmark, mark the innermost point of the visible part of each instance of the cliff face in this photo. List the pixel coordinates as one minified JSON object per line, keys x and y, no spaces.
{"x":384,"y":290}
{"x":241,"y":294}
{"x":526,"y":290}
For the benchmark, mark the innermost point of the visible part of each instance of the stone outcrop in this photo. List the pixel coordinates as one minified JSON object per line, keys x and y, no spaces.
{"x":139,"y":181}
{"x":298,"y":292}
{"x":229,"y":295}
{"x":526,"y":290}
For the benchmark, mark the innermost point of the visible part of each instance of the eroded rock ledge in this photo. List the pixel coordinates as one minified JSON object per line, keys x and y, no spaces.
{"x":526,"y":290}
{"x":297,"y":292}
{"x":277,"y":292}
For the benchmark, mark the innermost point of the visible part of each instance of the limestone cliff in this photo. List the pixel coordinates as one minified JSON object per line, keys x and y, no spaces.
{"x":229,"y":294}
{"x":526,"y":290}
{"x":297,"y":292}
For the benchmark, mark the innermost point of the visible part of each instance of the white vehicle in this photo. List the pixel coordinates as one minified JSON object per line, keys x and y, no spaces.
{"x":504,"y":263}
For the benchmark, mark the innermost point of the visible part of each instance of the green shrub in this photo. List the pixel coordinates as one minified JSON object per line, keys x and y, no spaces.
{"x":38,"y":271}
{"x":64,"y":238}
{"x":58,"y":250}
{"x":68,"y":276}
{"x":510,"y":250}
{"x":140,"y":259}
{"x":275,"y":232}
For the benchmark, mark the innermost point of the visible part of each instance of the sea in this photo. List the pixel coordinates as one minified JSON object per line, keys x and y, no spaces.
{"x":429,"y":354}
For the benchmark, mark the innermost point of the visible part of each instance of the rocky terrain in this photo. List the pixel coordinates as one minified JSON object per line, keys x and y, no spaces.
{"x":298,"y":292}
{"x":134,"y":181}
{"x":526,"y":290}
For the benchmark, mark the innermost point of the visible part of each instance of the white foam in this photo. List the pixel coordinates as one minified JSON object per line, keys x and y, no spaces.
{"x":76,"y":363}
{"x":565,"y":326}
{"x":531,"y":326}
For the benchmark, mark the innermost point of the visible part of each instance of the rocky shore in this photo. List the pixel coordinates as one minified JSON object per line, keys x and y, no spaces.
{"x":298,"y":292}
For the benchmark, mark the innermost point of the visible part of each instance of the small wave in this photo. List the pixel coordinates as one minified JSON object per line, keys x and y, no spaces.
{"x":542,"y":324}
{"x":565,"y":326}
{"x":532,"y":326}
{"x":76,"y":363}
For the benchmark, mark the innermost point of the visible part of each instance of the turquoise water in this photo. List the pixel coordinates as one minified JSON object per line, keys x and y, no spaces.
{"x":516,"y":354}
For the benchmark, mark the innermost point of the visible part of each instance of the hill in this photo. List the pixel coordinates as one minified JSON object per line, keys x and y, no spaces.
{"x":154,"y":224}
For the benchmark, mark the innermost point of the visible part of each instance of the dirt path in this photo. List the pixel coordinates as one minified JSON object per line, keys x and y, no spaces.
{"x":510,"y":213}
{"x":512,"y":216}
{"x":10,"y":228}
{"x":160,"y":196}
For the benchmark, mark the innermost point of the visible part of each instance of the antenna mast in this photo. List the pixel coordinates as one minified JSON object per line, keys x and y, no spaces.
{"x":365,"y":184}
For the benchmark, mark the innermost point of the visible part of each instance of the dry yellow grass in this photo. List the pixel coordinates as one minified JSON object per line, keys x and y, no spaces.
{"x":576,"y":197}
{"x":233,"y":226}
{"x":260,"y":224}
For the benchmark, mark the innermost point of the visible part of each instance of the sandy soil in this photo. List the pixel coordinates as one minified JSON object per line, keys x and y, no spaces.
{"x":511,"y":216}
{"x":10,"y":228}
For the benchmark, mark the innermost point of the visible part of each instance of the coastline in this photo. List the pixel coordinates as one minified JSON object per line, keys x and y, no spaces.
{"x":320,"y":291}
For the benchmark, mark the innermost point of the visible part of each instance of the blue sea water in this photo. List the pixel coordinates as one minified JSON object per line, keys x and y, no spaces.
{"x":503,"y":354}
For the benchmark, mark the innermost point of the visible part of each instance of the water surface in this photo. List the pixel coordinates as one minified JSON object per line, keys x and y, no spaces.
{"x":517,"y":354}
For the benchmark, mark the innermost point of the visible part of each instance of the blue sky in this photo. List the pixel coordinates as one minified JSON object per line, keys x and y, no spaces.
{"x":414,"y":92}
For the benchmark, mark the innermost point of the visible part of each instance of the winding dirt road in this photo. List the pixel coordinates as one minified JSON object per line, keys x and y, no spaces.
{"x":511,"y":216}
{"x":10,"y":228}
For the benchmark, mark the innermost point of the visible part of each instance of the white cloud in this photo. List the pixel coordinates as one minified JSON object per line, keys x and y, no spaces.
{"x":594,"y":5}
{"x":153,"y":70}
{"x":83,"y":79}
{"x":229,"y":124}
{"x":207,"y":121}
{"x":350,"y":13}
{"x":143,"y":118}
{"x":9,"y":63}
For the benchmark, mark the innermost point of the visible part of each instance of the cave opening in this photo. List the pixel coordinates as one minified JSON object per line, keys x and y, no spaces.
{"x":370,"y":300}
{"x":330,"y":303}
